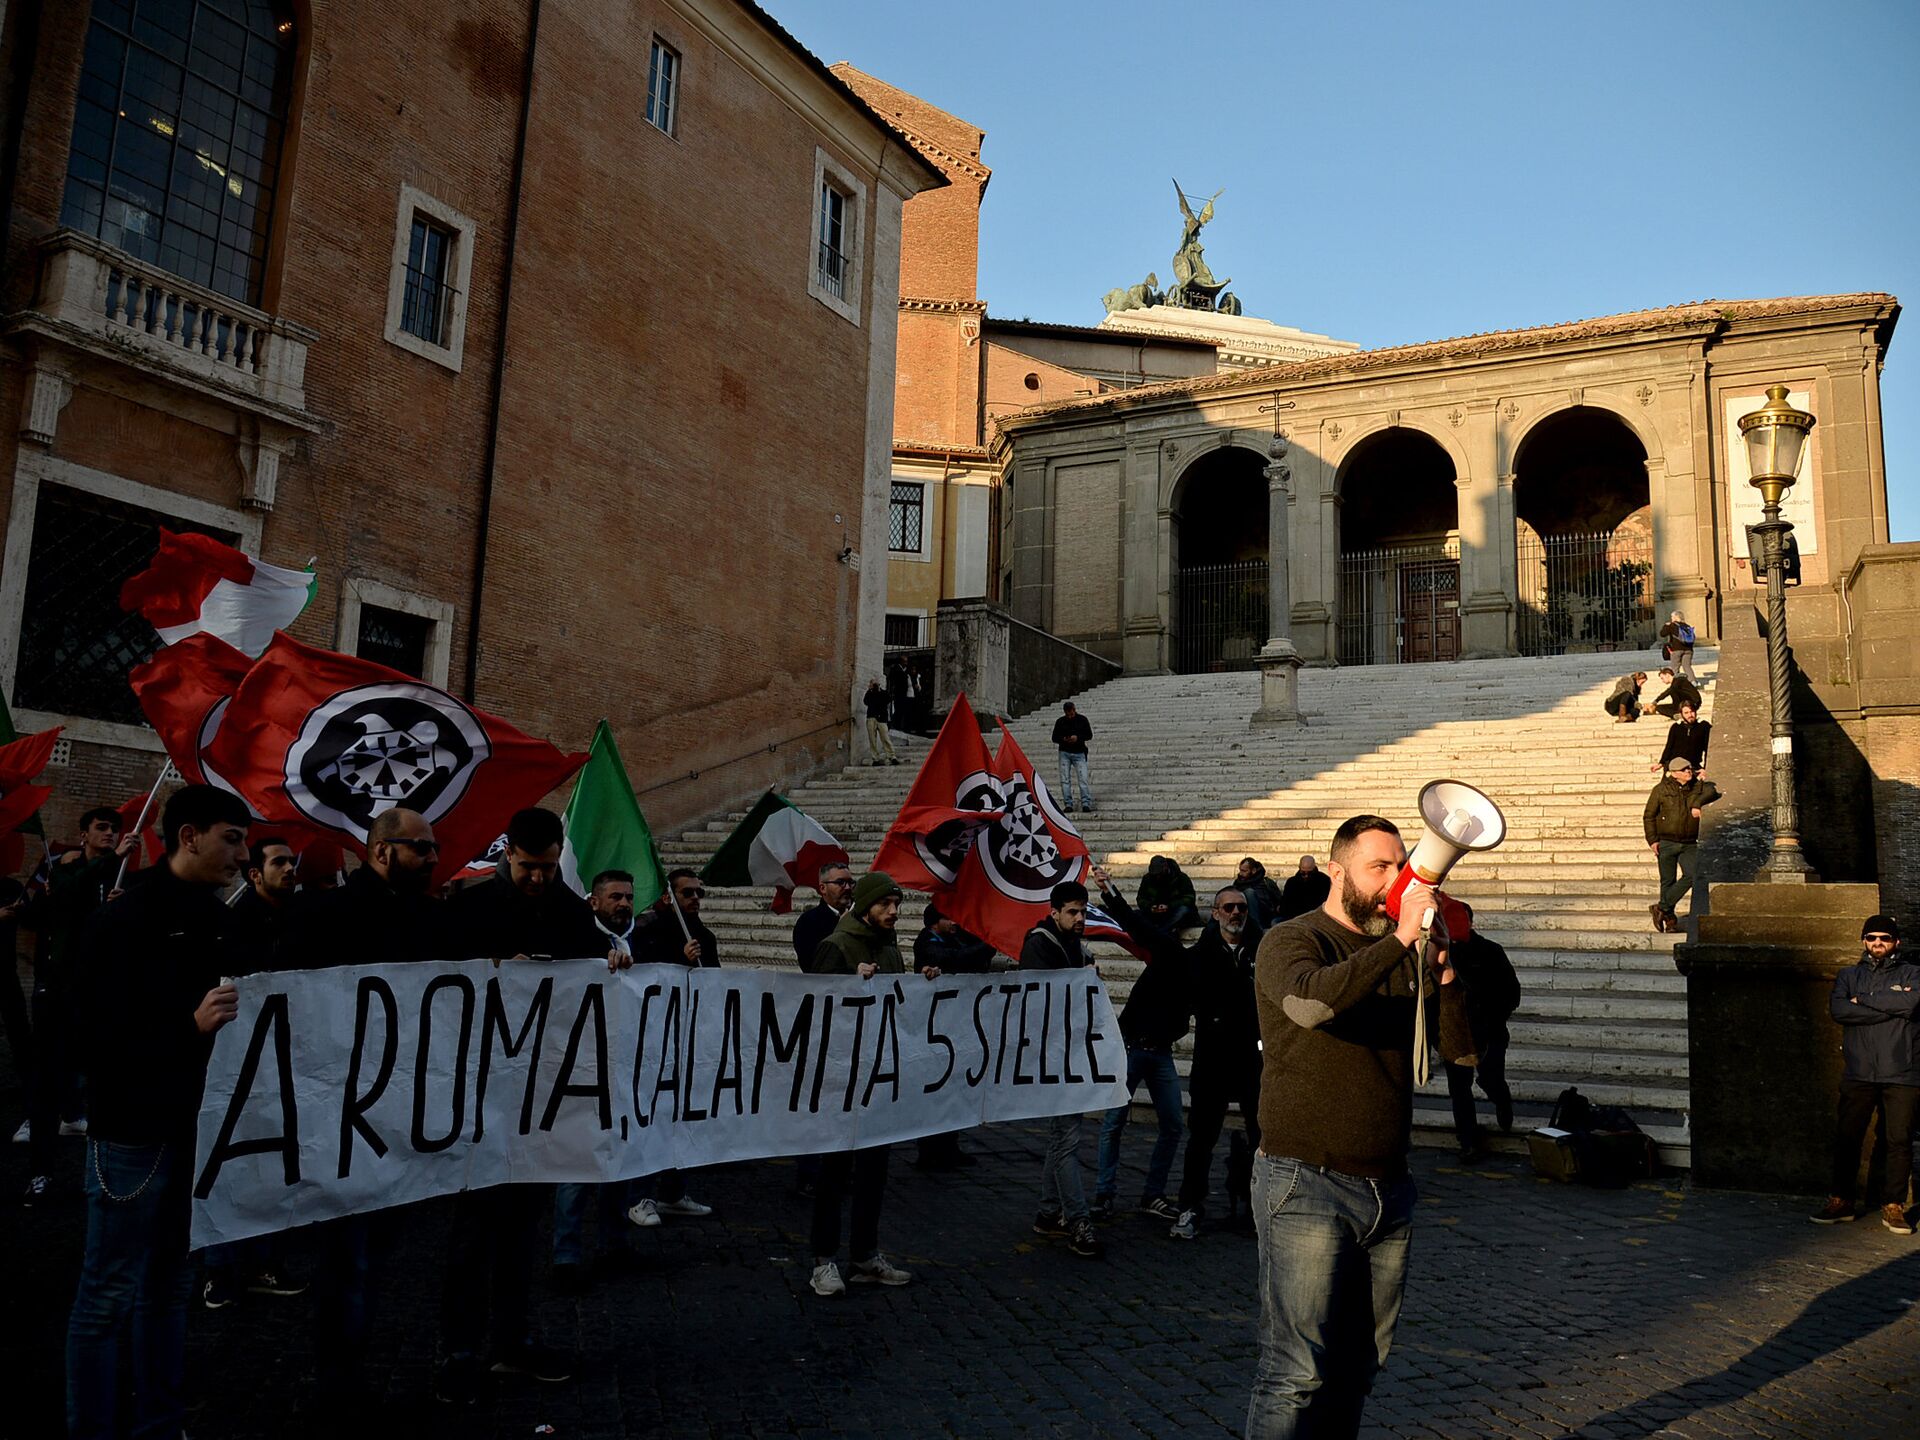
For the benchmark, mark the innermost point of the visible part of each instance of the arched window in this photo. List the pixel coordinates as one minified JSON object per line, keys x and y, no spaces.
{"x":176,"y":136}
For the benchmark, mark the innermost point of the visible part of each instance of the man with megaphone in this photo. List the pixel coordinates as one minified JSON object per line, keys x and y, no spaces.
{"x":1343,"y":993}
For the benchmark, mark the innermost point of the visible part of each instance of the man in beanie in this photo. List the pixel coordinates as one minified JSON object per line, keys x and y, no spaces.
{"x":1875,"y":1003}
{"x":861,"y":944}
{"x":1672,"y":826}
{"x":1054,"y":944}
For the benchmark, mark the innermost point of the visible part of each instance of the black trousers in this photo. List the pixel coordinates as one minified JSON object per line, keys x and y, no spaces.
{"x":865,"y":1173}
{"x":490,"y":1267}
{"x":56,"y":1093}
{"x":1492,"y":1074}
{"x":1210,"y":1091}
{"x":1859,"y":1103}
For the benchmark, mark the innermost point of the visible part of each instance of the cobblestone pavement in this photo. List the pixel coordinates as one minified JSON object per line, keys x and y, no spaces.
{"x":1532,"y":1310}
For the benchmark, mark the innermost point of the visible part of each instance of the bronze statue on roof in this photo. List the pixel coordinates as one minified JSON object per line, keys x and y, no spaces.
{"x":1194,"y":287}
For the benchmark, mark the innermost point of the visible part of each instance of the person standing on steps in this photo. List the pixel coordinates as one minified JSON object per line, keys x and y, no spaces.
{"x":836,"y":893}
{"x":1678,"y":637}
{"x":1226,"y":1059}
{"x":1687,"y":739}
{"x":862,"y":944}
{"x":1071,"y":732}
{"x":1493,"y":994}
{"x":1055,"y":944}
{"x":1671,"y":823}
{"x":1877,"y":1005}
{"x":879,"y":742}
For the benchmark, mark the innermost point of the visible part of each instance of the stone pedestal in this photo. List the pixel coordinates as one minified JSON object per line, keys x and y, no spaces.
{"x":1279,"y":684}
{"x":974,"y":641}
{"x":1763,"y":1051}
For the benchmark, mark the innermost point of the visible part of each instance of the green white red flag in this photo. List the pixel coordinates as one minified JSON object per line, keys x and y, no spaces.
{"x":198,"y":585}
{"x":605,"y":829}
{"x":778,"y":844}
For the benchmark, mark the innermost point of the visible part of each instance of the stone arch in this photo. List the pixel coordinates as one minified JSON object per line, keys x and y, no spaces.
{"x":1218,"y":561}
{"x":1643,"y":429}
{"x":1441,"y":436}
{"x":1399,"y":548}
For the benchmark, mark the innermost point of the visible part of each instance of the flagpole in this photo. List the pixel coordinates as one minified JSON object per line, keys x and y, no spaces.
{"x":141,"y":824}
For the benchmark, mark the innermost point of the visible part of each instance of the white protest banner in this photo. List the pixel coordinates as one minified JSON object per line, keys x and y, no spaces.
{"x":345,"y":1090}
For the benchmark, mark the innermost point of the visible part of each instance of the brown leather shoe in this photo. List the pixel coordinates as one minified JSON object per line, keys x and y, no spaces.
{"x":1659,"y":918}
{"x":1894,"y":1217}
{"x":1835,"y":1212}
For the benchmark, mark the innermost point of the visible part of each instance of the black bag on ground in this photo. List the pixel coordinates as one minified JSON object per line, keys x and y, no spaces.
{"x":1597,"y":1144}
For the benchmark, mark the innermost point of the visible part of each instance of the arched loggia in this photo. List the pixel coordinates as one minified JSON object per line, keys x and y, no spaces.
{"x":1399,"y":551}
{"x":1219,"y":555}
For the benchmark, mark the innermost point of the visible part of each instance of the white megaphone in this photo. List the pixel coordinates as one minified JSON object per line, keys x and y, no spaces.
{"x":1460,"y":820}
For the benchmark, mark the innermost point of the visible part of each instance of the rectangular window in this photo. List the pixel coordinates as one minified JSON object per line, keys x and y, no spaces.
{"x":76,"y":643}
{"x":903,"y":632}
{"x":395,"y":639}
{"x":428,"y":303}
{"x":663,"y":87}
{"x":831,"y":271}
{"x":906,"y":514}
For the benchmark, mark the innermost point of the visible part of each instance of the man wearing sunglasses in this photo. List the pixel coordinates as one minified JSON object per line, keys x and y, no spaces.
{"x":1672,"y":826}
{"x":836,"y":893}
{"x":1877,"y":1004}
{"x":1226,"y":1058}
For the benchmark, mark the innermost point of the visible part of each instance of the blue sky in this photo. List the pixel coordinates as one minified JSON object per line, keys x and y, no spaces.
{"x":1397,"y":172}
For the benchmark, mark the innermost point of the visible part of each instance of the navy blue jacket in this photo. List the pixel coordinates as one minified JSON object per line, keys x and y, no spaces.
{"x":1880,"y":1034}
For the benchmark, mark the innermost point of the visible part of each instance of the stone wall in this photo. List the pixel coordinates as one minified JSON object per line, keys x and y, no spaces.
{"x":1043,"y":669}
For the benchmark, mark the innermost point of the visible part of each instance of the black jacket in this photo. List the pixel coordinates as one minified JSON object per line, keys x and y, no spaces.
{"x":1669,"y":813}
{"x":1880,"y":1034}
{"x":1159,"y":1008}
{"x":1493,"y":989}
{"x":494,"y":921}
{"x":809,"y":930}
{"x":1048,"y":948}
{"x":1681,"y":692}
{"x":256,"y":927}
{"x":1688,"y":742}
{"x":875,"y":702}
{"x":1226,"y":1012}
{"x":956,"y":954}
{"x":143,"y":965}
{"x":1071,"y":733}
{"x":60,"y":912}
{"x":658,"y":940}
{"x":1304,"y":893}
{"x":365,"y":921}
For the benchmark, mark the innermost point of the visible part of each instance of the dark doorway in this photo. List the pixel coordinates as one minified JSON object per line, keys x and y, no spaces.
{"x":1220,"y":562}
{"x":1399,"y":552}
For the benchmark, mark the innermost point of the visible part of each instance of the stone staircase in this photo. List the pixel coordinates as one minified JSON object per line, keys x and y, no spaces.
{"x":1178,"y":771}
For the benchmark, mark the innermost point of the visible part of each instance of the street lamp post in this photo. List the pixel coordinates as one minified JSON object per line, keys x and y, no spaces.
{"x":1776,"y":435}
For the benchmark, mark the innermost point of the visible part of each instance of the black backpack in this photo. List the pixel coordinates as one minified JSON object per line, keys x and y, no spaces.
{"x":1610,"y":1150}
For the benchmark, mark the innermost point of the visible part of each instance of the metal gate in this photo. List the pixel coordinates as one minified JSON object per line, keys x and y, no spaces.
{"x":1581,"y":593}
{"x":1400,"y":604}
{"x":1220,"y":616}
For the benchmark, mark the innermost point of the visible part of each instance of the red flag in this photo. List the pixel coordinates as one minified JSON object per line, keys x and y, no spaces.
{"x":184,"y":690}
{"x":20,"y":761}
{"x":983,"y":835}
{"x":334,"y":741}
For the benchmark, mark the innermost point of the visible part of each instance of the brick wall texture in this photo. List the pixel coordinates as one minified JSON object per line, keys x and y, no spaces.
{"x":679,"y":421}
{"x":1086,"y":596}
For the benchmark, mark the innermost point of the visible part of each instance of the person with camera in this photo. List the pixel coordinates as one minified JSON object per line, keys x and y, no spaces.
{"x":1332,"y":1199}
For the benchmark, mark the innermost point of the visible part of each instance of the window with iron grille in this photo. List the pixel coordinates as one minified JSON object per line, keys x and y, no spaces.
{"x":76,"y":643}
{"x":906,"y":512}
{"x":903,"y":632}
{"x":176,"y":135}
{"x":395,"y":639}
{"x":663,"y":87}
{"x":428,"y":303}
{"x":831,"y":271}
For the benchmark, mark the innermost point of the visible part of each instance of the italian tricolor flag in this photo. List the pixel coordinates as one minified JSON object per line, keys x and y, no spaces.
{"x":605,"y":829}
{"x":197,"y":585}
{"x":778,"y":844}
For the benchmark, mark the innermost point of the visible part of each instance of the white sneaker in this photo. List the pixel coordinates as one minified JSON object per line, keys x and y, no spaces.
{"x":24,"y":1133}
{"x":74,"y":1127}
{"x":826,"y":1279}
{"x":685,"y":1205}
{"x":879,"y":1271}
{"x":645,"y":1214}
{"x":1187,"y":1227}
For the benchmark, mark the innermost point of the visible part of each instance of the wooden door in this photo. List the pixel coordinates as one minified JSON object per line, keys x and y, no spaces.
{"x":1430,"y":611}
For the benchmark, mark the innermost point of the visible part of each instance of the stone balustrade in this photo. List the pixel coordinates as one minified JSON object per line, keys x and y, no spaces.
{"x":160,"y":323}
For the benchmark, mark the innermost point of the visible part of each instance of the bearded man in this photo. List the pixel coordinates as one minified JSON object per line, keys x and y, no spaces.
{"x":1332,"y":1201}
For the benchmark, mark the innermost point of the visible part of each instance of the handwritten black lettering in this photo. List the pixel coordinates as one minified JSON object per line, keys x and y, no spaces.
{"x":272,"y":1020}
{"x":593,"y":1010}
{"x":793,"y":1052}
{"x":423,"y":1062}
{"x":936,"y":1037}
{"x":353,"y":1111}
{"x":494,"y":1022}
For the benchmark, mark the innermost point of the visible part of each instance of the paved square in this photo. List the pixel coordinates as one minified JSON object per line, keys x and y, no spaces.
{"x":1532,"y":1310}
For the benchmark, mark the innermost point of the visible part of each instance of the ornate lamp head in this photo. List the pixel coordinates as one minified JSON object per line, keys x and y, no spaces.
{"x":1776,"y":436}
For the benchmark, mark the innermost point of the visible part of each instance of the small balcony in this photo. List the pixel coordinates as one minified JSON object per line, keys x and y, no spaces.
{"x":102,"y":302}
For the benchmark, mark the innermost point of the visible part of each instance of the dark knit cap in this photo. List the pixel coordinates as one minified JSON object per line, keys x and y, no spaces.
{"x":873,"y":887}
{"x":1880,"y":925}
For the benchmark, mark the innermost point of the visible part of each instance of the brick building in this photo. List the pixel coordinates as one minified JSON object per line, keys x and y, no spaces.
{"x":563,"y":344}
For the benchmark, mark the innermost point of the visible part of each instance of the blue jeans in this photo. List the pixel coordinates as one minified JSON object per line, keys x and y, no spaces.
{"x":1072,"y":763}
{"x":1154,"y":1069}
{"x":1061,"y":1192}
{"x":1333,"y":1268}
{"x":129,"y":1321}
{"x":570,"y":1206}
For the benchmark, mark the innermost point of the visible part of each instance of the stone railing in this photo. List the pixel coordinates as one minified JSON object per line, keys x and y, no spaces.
{"x":169,"y":326}
{"x":1043,"y":669}
{"x":1004,"y":665}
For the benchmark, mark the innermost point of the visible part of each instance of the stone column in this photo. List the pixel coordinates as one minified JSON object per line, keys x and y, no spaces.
{"x":1143,"y":638}
{"x":1279,"y":660}
{"x":1487,"y":602}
